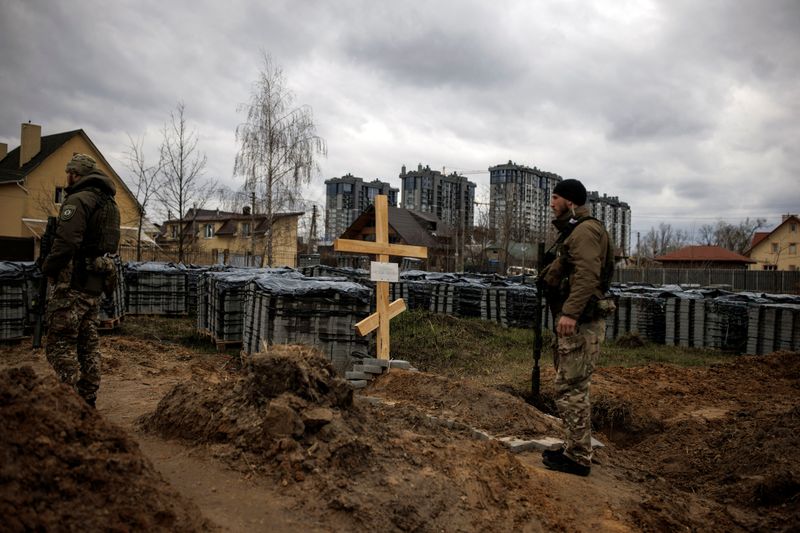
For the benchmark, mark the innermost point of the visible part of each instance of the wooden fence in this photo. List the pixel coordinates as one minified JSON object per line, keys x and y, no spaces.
{"x":771,"y":281}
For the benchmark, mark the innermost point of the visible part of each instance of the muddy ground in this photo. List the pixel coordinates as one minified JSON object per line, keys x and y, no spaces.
{"x":187,"y":441}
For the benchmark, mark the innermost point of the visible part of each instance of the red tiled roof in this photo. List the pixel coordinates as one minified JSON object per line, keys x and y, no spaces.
{"x":704,"y":253}
{"x":758,"y":237}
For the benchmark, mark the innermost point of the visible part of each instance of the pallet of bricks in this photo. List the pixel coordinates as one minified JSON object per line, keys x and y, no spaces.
{"x":221,"y":305}
{"x":319,"y":312}
{"x":774,"y":325}
{"x":18,"y":286}
{"x":156,"y":289}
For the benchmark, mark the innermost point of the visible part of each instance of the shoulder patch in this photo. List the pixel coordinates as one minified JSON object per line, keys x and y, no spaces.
{"x":68,"y":211}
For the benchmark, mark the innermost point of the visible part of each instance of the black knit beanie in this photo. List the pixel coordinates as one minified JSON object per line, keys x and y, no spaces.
{"x":572,"y":190}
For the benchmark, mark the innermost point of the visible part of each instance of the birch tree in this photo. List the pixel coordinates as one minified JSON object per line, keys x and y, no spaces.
{"x":278,"y":146}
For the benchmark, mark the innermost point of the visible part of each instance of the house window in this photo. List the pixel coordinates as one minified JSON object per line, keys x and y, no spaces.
{"x":775,"y":248}
{"x":174,"y":231}
{"x":209,"y":230}
{"x":793,"y":227}
{"x":245,"y":229}
{"x":793,"y":249}
{"x":770,"y":267}
{"x":59,"y":196}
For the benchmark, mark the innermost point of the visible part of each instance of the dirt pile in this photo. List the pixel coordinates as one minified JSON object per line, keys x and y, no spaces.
{"x":64,"y":468}
{"x":498,"y":413}
{"x":374,"y":465}
{"x":721,"y":432}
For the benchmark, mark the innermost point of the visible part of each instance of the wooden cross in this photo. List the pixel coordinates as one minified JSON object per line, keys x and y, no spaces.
{"x":381,"y":248}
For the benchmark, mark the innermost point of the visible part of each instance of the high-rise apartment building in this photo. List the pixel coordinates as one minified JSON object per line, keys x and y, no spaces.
{"x":450,"y":197}
{"x":615,"y":216}
{"x":347,"y":197}
{"x":519,"y":207}
{"x":519,"y":202}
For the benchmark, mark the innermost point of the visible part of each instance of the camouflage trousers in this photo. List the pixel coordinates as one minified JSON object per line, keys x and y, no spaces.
{"x":72,"y":318}
{"x":575,"y":358}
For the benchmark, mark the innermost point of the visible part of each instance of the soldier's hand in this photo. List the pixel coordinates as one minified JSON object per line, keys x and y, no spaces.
{"x":565,"y":326}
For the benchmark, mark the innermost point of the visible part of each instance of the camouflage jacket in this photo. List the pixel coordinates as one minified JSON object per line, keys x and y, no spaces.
{"x":574,"y":276}
{"x":81,"y":202}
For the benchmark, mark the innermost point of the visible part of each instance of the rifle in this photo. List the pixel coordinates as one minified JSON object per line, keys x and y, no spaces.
{"x":40,"y":303}
{"x":537,"y":327}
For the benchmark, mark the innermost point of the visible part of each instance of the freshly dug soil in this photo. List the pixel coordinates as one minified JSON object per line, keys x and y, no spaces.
{"x":375,"y":466}
{"x":285,"y":447}
{"x":63,"y":468}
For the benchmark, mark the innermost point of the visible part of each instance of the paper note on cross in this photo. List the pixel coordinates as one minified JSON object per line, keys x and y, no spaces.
{"x":381,"y":248}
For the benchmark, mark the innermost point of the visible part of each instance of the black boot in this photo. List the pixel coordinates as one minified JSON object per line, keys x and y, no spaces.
{"x":91,"y":402}
{"x":562,"y":463}
{"x":548,"y":454}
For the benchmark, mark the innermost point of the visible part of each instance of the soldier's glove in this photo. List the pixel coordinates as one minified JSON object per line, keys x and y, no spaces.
{"x":105,"y":265}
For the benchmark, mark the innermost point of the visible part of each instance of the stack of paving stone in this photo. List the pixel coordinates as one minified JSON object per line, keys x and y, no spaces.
{"x":682,"y":310}
{"x":14,"y":300}
{"x":520,"y":306}
{"x":156,"y":289}
{"x":370,"y":368}
{"x":221,"y":305}
{"x":726,"y":322}
{"x":193,"y":275}
{"x":773,"y":326}
{"x":316,"y":311}
{"x":648,"y":316}
{"x":112,"y":307}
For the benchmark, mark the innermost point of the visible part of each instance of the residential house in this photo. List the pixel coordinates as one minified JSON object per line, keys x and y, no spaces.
{"x":232,"y":238}
{"x":704,"y":257}
{"x":777,"y":249}
{"x":32,"y":183}
{"x":412,"y":228}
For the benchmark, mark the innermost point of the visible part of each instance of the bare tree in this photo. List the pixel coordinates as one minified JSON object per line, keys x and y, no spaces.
{"x":705,"y":235}
{"x":737,"y":237}
{"x":144,"y":177}
{"x":664,"y":239}
{"x":181,"y":182}
{"x":279,"y":146}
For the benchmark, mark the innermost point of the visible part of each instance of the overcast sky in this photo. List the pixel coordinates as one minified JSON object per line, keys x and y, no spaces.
{"x":687,"y":110}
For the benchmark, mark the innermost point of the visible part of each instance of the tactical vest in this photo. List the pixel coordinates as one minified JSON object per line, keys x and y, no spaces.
{"x":607,"y":269}
{"x":102,"y":231}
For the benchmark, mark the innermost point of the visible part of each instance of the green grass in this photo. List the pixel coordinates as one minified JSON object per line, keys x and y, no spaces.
{"x":168,"y":330}
{"x":612,"y":354}
{"x":451,"y":346}
{"x":504,"y":356}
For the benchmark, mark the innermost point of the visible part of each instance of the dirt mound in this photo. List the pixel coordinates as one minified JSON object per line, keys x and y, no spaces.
{"x":375,"y":466}
{"x":65,"y":468}
{"x":498,"y":413}
{"x":721,"y":432}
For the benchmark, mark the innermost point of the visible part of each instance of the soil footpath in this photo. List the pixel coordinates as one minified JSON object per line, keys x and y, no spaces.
{"x":284,"y":446}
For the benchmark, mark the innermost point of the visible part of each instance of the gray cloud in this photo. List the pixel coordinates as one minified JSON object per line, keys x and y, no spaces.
{"x":675,"y":106}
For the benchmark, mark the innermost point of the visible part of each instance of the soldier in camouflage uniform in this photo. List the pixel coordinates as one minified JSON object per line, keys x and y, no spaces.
{"x":575,"y":285}
{"x":76,"y":268}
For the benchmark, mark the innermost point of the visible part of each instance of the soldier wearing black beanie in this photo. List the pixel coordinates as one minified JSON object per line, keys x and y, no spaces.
{"x":572,"y":190}
{"x":575,"y":284}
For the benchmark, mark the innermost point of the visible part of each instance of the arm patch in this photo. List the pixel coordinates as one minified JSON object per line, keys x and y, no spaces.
{"x":68,"y":211}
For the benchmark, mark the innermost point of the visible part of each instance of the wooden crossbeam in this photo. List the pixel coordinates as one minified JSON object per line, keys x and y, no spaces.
{"x":382,"y":249}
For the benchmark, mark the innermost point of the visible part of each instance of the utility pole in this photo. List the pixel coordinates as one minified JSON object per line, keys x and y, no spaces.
{"x":252,"y":226}
{"x":638,"y":250}
{"x":312,"y":232}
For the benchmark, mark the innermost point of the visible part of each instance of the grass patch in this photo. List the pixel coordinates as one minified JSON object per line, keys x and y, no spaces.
{"x":499,"y":356}
{"x":169,"y":330}
{"x":463,"y":347}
